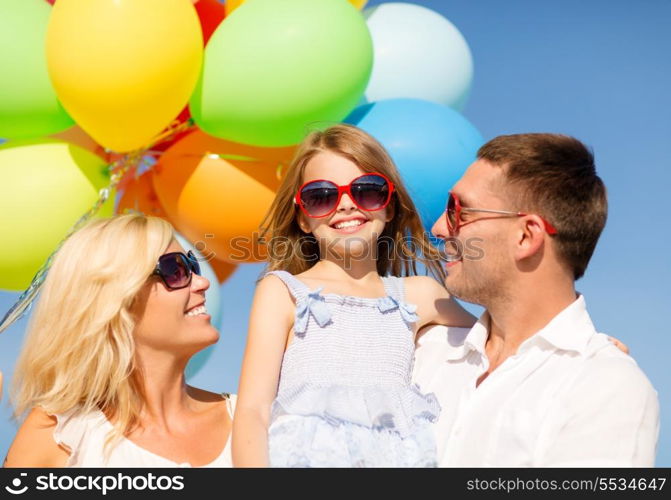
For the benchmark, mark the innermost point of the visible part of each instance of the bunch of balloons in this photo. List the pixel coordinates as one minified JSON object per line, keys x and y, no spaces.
{"x":198,"y":106}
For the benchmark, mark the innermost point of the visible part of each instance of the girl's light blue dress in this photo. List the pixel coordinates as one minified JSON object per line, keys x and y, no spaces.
{"x":345,"y":396}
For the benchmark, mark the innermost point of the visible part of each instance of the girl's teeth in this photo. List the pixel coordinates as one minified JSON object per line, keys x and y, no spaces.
{"x":348,"y":223}
{"x":198,"y":310}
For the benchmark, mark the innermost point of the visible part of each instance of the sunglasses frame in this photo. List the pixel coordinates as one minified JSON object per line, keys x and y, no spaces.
{"x":341,"y":190}
{"x":458,"y":209}
{"x":190,"y":263}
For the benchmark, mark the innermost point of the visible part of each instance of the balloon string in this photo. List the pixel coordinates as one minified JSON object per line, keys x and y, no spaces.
{"x":128,"y":162}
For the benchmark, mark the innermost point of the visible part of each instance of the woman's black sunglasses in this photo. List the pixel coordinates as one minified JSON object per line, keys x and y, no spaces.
{"x":176,"y":269}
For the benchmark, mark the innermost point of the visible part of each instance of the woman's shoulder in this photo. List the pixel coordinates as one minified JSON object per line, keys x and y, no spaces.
{"x":208,"y":398}
{"x":36,"y":443}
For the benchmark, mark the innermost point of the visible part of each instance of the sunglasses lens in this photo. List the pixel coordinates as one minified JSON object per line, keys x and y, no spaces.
{"x":370,"y":192}
{"x":194,"y":265}
{"x":319,"y":198}
{"x":451,"y":212}
{"x":174,"y":270}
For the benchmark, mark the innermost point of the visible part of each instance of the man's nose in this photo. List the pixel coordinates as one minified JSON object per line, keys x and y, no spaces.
{"x":439,"y":228}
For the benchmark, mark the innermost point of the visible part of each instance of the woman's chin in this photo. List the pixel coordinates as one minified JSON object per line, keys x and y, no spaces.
{"x":203,"y":339}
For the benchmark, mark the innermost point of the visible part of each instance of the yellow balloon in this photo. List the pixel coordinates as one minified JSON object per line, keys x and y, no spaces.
{"x":231,"y":5}
{"x":124,"y":69}
{"x":359,"y":4}
{"x":45,"y":187}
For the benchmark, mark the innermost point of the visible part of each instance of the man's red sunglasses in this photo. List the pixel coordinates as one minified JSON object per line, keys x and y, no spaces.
{"x":454,"y":210}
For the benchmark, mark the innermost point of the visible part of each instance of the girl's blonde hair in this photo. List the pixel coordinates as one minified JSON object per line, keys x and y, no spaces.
{"x":79,"y":354}
{"x":403,"y":242}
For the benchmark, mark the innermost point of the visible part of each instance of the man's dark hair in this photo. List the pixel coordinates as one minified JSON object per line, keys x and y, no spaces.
{"x":554,"y":175}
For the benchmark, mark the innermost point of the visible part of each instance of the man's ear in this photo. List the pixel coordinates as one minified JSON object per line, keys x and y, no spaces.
{"x":530,"y":237}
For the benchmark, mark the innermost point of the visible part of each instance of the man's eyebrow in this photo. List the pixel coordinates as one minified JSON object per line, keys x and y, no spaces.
{"x":465,"y":200}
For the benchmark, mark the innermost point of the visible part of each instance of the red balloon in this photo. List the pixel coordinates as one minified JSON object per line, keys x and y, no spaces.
{"x":138,"y":195}
{"x":210,"y":13}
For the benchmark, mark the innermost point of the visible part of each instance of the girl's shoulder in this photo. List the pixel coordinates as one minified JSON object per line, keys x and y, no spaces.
{"x":424,"y":286}
{"x":276,"y":283}
{"x":276,"y":296}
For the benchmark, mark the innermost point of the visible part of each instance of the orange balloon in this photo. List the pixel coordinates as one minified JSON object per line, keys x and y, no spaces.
{"x":217,"y":192}
{"x":231,"y":5}
{"x":75,"y":135}
{"x":139,"y":196}
{"x":222,"y":269}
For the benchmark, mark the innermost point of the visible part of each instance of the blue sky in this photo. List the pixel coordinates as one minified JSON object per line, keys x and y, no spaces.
{"x":598,"y":70}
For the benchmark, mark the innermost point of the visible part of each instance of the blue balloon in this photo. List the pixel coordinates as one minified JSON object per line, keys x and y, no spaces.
{"x":431,"y":144}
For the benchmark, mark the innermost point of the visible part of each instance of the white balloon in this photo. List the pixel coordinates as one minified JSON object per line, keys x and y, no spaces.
{"x":417,"y":54}
{"x":212,"y":302}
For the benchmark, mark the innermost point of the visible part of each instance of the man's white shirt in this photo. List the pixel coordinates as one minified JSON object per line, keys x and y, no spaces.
{"x":567,"y":398}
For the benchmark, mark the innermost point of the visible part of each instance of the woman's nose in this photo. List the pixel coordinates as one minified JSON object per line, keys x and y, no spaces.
{"x":199,"y":283}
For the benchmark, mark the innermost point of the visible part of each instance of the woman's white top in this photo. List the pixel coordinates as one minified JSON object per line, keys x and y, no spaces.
{"x":85,"y":435}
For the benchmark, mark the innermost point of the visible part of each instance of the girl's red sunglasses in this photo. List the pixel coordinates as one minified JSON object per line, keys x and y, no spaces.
{"x":320,"y":198}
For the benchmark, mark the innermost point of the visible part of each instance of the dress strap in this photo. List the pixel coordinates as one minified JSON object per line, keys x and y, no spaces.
{"x":395,"y":299}
{"x":230,"y":402}
{"x":393,"y":285}
{"x":309,"y":303}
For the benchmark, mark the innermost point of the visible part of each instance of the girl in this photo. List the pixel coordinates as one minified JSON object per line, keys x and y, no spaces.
{"x":102,"y":368}
{"x":326,"y":377}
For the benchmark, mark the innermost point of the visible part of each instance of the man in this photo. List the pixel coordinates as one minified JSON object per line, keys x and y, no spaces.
{"x":532,"y":383}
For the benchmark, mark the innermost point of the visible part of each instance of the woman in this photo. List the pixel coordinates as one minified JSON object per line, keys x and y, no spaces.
{"x":102,"y":369}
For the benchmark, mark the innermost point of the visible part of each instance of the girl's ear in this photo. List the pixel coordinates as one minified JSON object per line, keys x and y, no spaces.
{"x":391,"y":211}
{"x":303,"y":223}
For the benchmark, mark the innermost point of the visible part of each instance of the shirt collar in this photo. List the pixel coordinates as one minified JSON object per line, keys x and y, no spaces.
{"x":475,"y":340}
{"x":570,"y":330}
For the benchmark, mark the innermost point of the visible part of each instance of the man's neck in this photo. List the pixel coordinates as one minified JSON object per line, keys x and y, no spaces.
{"x":526,"y":312}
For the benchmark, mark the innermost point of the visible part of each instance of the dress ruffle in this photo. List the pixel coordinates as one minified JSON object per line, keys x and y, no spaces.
{"x":311,"y":441}
{"x":70,"y":431}
{"x":395,"y":409}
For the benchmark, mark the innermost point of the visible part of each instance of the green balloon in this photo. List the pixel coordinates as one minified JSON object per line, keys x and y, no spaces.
{"x":275,"y":70}
{"x":28,"y":103}
{"x":45,"y":187}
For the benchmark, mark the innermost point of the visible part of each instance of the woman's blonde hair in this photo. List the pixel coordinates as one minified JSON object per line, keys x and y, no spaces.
{"x":401,"y":245}
{"x":79,"y":354}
